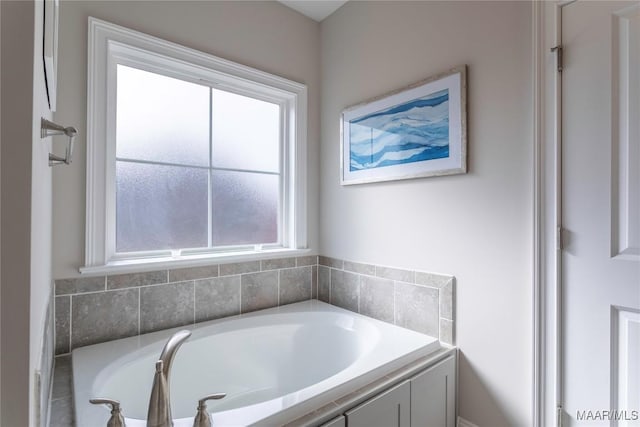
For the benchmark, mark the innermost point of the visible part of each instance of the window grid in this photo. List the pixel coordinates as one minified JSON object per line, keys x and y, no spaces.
{"x":210,"y":184}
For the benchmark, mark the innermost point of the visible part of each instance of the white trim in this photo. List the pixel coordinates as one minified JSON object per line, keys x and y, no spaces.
{"x":110,"y":44}
{"x":546,"y":390}
{"x":195,"y":260}
{"x":465,"y":423}
{"x":538,"y":214}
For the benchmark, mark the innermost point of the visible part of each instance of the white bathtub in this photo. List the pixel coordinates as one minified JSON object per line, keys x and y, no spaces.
{"x":274,"y":365}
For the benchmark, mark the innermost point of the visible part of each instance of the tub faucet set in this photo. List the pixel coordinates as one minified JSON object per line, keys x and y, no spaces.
{"x":159,"y":414}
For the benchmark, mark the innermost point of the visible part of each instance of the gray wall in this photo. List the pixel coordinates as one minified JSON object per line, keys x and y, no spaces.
{"x":26,"y":213}
{"x":264,"y":35}
{"x":477,"y":226}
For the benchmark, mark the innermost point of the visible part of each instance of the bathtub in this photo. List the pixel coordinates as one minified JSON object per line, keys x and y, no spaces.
{"x":274,"y":365}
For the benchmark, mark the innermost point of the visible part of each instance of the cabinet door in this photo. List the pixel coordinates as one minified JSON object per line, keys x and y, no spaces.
{"x":433,"y":396}
{"x":336,"y":422}
{"x":388,"y":409}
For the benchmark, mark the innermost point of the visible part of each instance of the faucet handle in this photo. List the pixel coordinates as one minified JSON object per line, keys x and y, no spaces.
{"x":117,"y":419}
{"x":203,"y":419}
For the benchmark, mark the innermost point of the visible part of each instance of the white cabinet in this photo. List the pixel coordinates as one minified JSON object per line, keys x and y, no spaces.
{"x":425,"y":400}
{"x":340,"y":421}
{"x":433,"y":396}
{"x":390,"y":408}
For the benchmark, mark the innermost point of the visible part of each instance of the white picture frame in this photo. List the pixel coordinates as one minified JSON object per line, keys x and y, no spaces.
{"x":416,"y":132}
{"x":50,"y":50}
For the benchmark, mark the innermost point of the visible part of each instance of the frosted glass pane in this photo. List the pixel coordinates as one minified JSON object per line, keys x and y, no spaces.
{"x":160,"y":207}
{"x":161,"y":119}
{"x":246,"y":133}
{"x":245,"y":208}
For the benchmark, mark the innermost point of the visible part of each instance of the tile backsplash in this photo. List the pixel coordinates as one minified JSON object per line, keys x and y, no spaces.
{"x":414,"y":300}
{"x":91,"y":310}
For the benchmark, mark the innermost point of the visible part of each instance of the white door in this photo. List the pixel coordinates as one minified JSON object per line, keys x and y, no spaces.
{"x":601,"y":212}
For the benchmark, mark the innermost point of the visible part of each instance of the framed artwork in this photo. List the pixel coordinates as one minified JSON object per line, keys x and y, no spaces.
{"x":50,"y":50}
{"x":416,"y":132}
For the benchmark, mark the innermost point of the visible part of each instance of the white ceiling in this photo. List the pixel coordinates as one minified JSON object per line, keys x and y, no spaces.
{"x":314,"y":9}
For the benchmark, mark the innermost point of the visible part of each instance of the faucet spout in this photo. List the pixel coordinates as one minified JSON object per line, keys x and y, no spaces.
{"x":170,"y":349}
{"x":159,"y":414}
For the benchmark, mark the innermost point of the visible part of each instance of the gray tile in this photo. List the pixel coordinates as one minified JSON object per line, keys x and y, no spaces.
{"x":314,"y":282}
{"x":417,"y":308}
{"x":331,"y":262}
{"x":295,"y":285}
{"x":239,"y":268}
{"x":166,"y":306}
{"x":324,"y":283}
{"x":62,"y":413}
{"x":61,"y":378}
{"x":63,"y":324}
{"x":80,"y":285}
{"x":302,"y":261}
{"x":103,"y":316}
{"x":259,"y":290}
{"x":132,"y":280}
{"x":397,"y":274}
{"x":446,"y":300}
{"x":217,"y":297}
{"x":357,"y":267}
{"x":344,"y":289}
{"x":275,"y":264}
{"x":192,"y":273}
{"x":446,"y":331}
{"x":432,"y":279}
{"x":376,"y":298}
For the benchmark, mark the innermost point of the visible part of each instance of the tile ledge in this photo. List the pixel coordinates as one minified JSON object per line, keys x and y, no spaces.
{"x":153,"y":264}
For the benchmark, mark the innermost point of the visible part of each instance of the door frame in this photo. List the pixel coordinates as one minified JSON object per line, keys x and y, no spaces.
{"x":547,"y":289}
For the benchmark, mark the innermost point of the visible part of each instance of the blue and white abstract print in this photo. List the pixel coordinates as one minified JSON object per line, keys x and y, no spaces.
{"x":415,"y":131}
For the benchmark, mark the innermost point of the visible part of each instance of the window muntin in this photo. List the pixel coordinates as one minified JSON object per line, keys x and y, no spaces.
{"x":196,"y":167}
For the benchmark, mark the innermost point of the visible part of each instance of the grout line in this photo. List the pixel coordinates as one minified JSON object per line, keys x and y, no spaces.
{"x":395,"y":315}
{"x":105,"y":282}
{"x":278,"y":288}
{"x":240,"y":292}
{"x":194,"y":301}
{"x":139,"y":311}
{"x":358,"y":290}
{"x":70,"y":321}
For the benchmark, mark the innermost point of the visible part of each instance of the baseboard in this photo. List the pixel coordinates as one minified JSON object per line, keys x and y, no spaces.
{"x":464,"y":423}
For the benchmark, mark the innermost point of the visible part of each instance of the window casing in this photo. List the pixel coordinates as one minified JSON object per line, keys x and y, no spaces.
{"x":113,"y":48}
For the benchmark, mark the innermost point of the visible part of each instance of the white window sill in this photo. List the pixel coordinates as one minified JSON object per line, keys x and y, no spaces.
{"x":196,"y":260}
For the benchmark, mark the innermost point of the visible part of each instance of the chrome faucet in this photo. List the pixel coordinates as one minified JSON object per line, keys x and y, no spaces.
{"x":159,"y":414}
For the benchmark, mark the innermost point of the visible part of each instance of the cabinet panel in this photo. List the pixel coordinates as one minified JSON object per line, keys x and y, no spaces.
{"x":433,"y":396}
{"x":389,"y":409}
{"x":340,"y":421}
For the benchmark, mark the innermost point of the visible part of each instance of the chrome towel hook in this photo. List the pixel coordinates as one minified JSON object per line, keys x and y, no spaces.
{"x":49,"y":128}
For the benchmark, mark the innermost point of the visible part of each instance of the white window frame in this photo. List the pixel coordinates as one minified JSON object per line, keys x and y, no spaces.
{"x":110,"y":45}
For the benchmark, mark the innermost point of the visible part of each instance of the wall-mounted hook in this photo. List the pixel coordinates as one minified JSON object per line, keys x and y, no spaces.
{"x":49,"y":128}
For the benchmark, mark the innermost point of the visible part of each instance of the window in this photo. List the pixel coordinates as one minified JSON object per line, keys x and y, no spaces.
{"x":190,"y":157}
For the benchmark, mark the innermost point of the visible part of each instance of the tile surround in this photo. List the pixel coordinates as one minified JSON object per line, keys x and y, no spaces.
{"x":90,"y":310}
{"x":217,"y":297}
{"x":416,"y":300}
{"x":61,"y":394}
